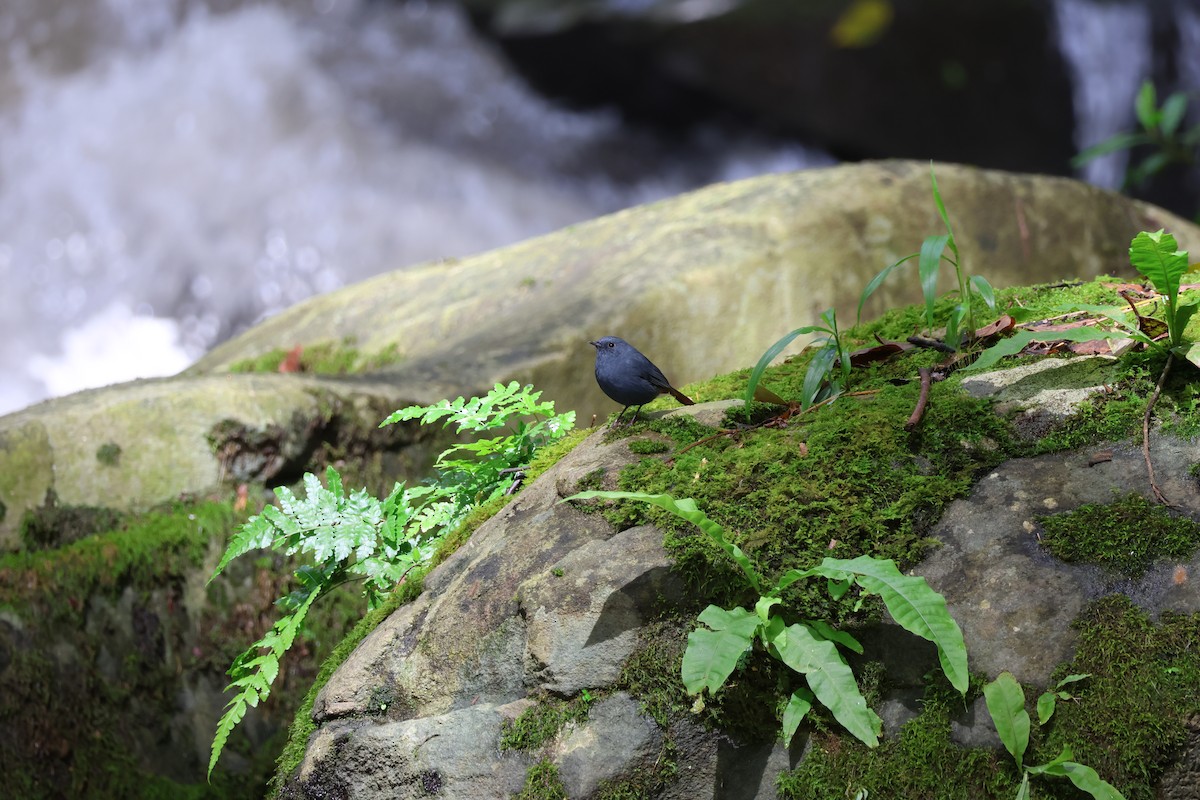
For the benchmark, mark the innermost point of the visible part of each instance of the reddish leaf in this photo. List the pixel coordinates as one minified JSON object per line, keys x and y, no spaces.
{"x":291,"y":362}
{"x":879,"y":352}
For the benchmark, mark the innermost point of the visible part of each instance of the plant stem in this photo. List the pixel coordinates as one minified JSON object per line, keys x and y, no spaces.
{"x":1158,"y":495}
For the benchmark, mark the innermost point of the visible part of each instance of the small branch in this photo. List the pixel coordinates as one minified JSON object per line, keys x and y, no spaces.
{"x":922,"y":400}
{"x":1158,"y":495}
{"x":921,"y":341}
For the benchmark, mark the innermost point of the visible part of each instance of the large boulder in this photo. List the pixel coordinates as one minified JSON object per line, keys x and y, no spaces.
{"x":703,"y":283}
{"x":547,"y":601}
{"x":133,"y":446}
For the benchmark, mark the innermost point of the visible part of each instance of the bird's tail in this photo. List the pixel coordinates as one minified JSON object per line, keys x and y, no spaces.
{"x":680,"y":396}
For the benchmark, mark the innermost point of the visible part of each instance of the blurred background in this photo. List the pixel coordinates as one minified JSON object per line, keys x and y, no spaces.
{"x":173,"y":171}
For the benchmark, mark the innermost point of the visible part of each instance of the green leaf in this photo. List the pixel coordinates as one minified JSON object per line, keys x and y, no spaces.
{"x":769,"y":356}
{"x":830,"y":680}
{"x":818,"y":373}
{"x":1084,"y":778}
{"x":1006,"y":703}
{"x":913,"y":605}
{"x":1146,"y":106}
{"x":1023,"y":789}
{"x":878,"y":280}
{"x":1121,"y":141}
{"x":1045,"y":706}
{"x":798,"y":705}
{"x":712,"y":655}
{"x":984,"y":290}
{"x":928,"y":266}
{"x":685,"y":509}
{"x":1158,"y":257}
{"x":1018,"y":341}
{"x":827,"y":631}
{"x":1173,"y":112}
{"x":941,"y":207}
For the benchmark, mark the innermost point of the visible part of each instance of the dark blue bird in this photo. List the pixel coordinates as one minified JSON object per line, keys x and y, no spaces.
{"x":628,"y":377}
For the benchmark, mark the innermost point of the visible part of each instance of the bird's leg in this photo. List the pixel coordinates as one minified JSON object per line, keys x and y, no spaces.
{"x":636,"y":411}
{"x":616,"y":423}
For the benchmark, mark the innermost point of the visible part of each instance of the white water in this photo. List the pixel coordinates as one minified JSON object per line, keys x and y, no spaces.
{"x":169,"y":174}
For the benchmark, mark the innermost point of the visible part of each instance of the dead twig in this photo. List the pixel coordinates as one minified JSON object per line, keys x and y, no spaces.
{"x":922,"y":400}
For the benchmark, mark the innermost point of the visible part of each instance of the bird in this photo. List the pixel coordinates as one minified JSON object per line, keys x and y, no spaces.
{"x":628,"y":377}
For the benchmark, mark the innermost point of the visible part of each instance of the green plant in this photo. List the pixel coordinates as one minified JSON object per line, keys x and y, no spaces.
{"x":808,"y":647}
{"x":1006,"y":703}
{"x":358,"y":537}
{"x":1160,"y":130}
{"x":960,"y":322}
{"x":819,"y":381}
{"x":1157,"y":257}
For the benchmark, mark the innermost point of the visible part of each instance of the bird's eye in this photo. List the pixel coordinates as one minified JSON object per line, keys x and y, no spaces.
{"x":612,"y":344}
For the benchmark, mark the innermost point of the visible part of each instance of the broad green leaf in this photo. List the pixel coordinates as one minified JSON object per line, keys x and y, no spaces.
{"x":1074,"y":678}
{"x":913,"y":605}
{"x":1006,"y":703}
{"x":1085,"y":779}
{"x":928,"y":266}
{"x":830,"y":680}
{"x":712,"y":655}
{"x":1191,"y":351}
{"x":1157,"y":256}
{"x":1018,"y":341}
{"x":773,"y":351}
{"x":1045,"y":706}
{"x":827,"y":631}
{"x":763,"y":607}
{"x":798,"y":705}
{"x":685,"y":509}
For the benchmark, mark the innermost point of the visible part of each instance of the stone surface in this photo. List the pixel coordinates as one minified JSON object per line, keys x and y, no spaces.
{"x":704,"y":282}
{"x":186,"y":435}
{"x":1015,"y":602}
{"x":614,"y":741}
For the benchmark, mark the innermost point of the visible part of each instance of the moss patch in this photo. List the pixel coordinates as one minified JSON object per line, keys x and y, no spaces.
{"x":325,"y":358}
{"x":54,"y":525}
{"x":1127,"y":535}
{"x":921,"y":763}
{"x":542,"y":783}
{"x":1132,"y":715}
{"x":542,"y":721}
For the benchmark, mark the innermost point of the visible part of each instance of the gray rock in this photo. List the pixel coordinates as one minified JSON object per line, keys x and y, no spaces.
{"x":762,"y":256}
{"x":974,"y":727}
{"x":1013,"y":601}
{"x":614,"y":741}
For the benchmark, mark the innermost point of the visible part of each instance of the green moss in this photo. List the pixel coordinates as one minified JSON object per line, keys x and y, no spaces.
{"x":1127,"y":535}
{"x":113,"y":633}
{"x":323,"y":358}
{"x":155,"y":546}
{"x":1133,"y":715}
{"x":109,"y":454}
{"x":644,"y":781}
{"x":542,"y":721}
{"x":644,"y":447}
{"x":53,"y":525}
{"x":542,"y":783}
{"x":921,"y":763}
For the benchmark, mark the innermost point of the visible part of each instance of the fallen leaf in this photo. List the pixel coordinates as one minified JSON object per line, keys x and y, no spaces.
{"x":878,"y":352}
{"x":1100,"y":457}
{"x":291,"y":362}
{"x":1181,"y":575}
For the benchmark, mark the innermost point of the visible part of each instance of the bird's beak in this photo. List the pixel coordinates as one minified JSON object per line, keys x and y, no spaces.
{"x":594,"y":344}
